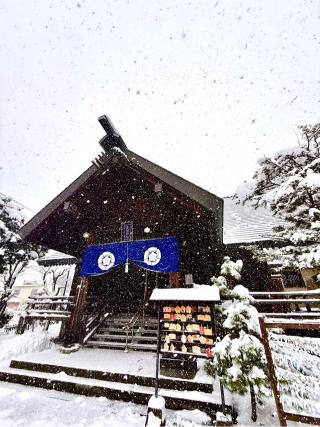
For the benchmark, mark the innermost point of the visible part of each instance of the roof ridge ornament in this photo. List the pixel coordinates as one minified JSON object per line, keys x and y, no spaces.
{"x":112,"y":138}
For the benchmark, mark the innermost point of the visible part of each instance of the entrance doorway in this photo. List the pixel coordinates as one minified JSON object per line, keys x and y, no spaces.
{"x":125,"y":292}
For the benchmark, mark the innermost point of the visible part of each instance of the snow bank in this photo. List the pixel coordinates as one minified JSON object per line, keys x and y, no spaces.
{"x":14,"y":345}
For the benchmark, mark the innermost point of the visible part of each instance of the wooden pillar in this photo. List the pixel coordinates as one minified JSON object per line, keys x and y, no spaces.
{"x":75,"y":327}
{"x":174,"y":280}
{"x":278,"y":286}
{"x":65,"y":327}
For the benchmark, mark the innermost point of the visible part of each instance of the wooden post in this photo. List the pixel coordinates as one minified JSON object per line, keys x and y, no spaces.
{"x":145,"y":296}
{"x":277,"y":282}
{"x":158,"y":354}
{"x":272,"y":374}
{"x":174,"y":280}
{"x":75,"y":327}
{"x":65,"y":326}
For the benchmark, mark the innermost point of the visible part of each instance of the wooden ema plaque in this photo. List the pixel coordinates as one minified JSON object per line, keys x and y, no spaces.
{"x":187,"y":330}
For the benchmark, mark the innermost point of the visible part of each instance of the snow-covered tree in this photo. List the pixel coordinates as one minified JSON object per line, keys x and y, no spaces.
{"x":239,"y":359}
{"x":289,"y":184}
{"x":14,"y":253}
{"x":51,"y":275}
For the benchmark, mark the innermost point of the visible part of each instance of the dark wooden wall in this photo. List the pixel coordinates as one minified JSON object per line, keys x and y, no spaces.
{"x":256,"y":275}
{"x":123,"y":193}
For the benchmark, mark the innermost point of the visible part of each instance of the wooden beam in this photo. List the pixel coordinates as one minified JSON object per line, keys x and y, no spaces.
{"x":272,"y":373}
{"x":303,"y":419}
{"x":299,"y":314}
{"x":287,"y":301}
{"x":289,"y":293}
{"x":294,"y":325}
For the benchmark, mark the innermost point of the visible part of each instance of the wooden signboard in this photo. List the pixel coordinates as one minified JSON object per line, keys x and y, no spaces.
{"x":186,"y":328}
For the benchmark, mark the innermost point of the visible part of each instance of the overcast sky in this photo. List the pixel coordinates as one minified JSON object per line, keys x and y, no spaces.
{"x":203,"y":88}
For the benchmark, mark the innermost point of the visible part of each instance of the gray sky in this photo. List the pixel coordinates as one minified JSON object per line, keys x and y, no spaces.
{"x":203,"y":88}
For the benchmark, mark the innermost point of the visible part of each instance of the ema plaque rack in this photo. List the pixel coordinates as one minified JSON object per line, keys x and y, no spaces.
{"x":186,"y":329}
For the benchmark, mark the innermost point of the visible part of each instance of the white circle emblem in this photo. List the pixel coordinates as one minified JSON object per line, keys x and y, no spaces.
{"x":152,"y":256}
{"x":106,"y":260}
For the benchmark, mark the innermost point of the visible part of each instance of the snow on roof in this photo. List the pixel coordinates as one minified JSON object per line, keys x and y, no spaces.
{"x":245,"y":224}
{"x":56,"y":258}
{"x":25,"y":212}
{"x":198,"y":293}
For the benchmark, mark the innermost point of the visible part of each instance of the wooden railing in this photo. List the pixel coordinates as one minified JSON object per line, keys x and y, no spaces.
{"x":45,"y":308}
{"x":297,"y":303}
{"x":306,"y":325}
{"x":95,"y":321}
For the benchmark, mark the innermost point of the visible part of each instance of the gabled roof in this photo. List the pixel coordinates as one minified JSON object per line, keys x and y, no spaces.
{"x":113,"y":147}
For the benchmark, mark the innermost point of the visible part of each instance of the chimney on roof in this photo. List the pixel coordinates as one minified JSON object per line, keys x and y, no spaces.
{"x":112,"y":138}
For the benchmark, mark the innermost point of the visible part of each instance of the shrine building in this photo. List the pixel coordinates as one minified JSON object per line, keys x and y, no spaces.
{"x":147,"y":227}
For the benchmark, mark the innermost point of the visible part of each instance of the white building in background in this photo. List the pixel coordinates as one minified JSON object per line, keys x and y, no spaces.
{"x":30,"y":281}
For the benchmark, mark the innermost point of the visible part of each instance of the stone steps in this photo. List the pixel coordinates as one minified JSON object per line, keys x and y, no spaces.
{"x":146,"y":331}
{"x":178,"y":394}
{"x":115,"y":344}
{"x":112,"y":335}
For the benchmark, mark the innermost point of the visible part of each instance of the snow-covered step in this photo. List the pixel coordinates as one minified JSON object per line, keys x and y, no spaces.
{"x":122,"y":325}
{"x":120,"y":330}
{"x":127,"y":378}
{"x":111,"y":334}
{"x":175,"y":399}
{"x":113,"y":330}
{"x":125,"y":321}
{"x":130,"y":346}
{"x":145,"y":338}
{"x":99,"y":336}
{"x":107,"y":337}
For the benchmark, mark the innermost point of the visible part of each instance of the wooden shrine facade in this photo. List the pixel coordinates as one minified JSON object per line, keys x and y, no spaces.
{"x":124,"y":196}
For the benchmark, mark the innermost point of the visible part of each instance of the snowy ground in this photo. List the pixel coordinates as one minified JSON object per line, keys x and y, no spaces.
{"x":25,"y":406}
{"x":22,"y":406}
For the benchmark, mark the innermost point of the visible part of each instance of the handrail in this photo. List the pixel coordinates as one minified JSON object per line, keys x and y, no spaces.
{"x":135,"y":317}
{"x":96,"y":321}
{"x":132,"y":322}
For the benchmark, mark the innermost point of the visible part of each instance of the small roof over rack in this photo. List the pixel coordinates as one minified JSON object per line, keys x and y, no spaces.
{"x":203,"y":293}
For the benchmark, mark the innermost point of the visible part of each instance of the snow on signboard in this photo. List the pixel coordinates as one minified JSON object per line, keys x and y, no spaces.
{"x":198,"y":293}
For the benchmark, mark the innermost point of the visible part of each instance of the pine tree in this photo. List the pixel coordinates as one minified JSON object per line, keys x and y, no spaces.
{"x":289,"y":184}
{"x":14,"y":253}
{"x":239,"y":359}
